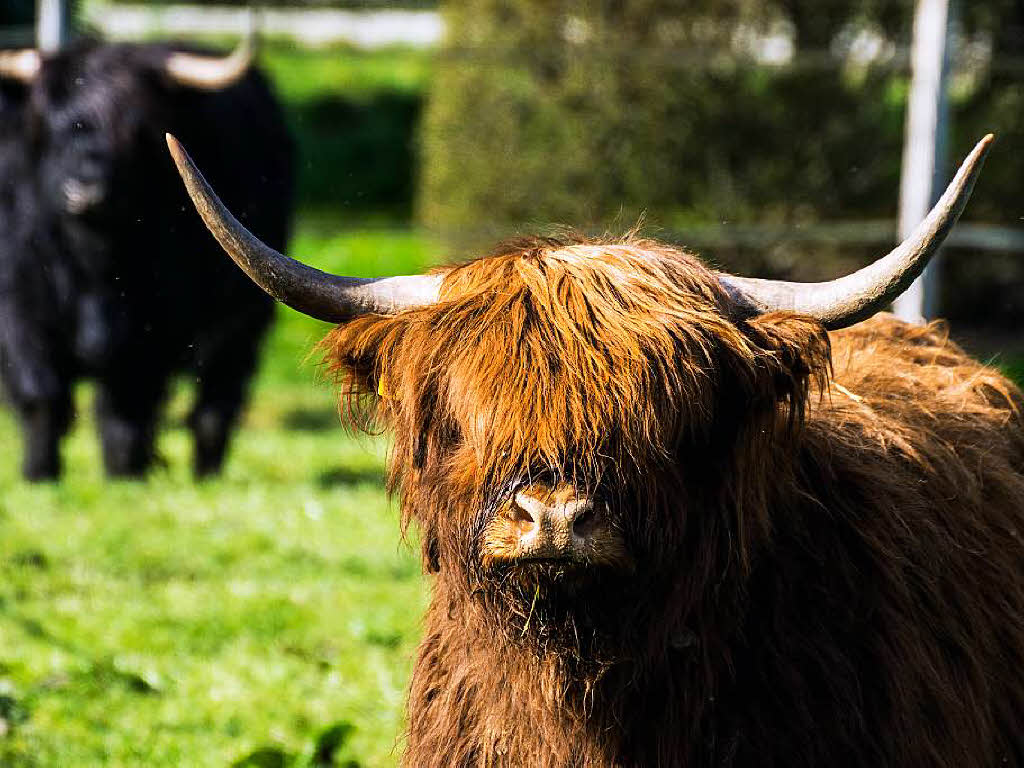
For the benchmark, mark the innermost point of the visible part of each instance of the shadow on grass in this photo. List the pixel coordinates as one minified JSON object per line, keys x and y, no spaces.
{"x":311,"y":419}
{"x":329,"y":743}
{"x":341,"y":476}
{"x":96,"y":672}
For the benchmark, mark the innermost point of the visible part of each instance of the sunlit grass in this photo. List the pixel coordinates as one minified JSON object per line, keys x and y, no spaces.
{"x":306,"y":74}
{"x":169,"y":623}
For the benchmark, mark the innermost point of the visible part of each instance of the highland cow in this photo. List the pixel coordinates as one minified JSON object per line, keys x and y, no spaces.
{"x":681,"y":518}
{"x":105,"y":272}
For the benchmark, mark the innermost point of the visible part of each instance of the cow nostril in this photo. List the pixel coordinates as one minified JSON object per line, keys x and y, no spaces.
{"x":523,"y":520}
{"x":583,"y":525}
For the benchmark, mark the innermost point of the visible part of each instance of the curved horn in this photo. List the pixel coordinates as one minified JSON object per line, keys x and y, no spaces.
{"x":310,"y":291}
{"x":855,"y":297}
{"x":20,"y":65}
{"x":209,"y":73}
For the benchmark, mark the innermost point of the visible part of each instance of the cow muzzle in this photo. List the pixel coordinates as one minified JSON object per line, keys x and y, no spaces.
{"x":558,"y":524}
{"x":80,"y":197}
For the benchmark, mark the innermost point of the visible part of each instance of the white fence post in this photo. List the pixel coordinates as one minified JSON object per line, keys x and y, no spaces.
{"x":924,"y":144}
{"x":53,"y":24}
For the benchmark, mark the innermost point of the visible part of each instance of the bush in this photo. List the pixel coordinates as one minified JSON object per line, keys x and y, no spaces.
{"x":354,"y":115}
{"x":592,"y":113}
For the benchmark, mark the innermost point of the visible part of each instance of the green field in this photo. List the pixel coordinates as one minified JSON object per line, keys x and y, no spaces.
{"x":164,"y":623}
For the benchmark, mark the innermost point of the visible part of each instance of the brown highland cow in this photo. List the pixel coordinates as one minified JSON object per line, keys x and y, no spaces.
{"x":681,"y":518}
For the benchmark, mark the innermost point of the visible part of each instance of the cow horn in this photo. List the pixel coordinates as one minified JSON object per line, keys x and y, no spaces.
{"x":209,"y":73}
{"x":855,"y":297}
{"x":318,"y":294}
{"x":20,"y":65}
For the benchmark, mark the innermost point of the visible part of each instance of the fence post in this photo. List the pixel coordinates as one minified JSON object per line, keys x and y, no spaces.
{"x":53,"y":24}
{"x":924,"y":144}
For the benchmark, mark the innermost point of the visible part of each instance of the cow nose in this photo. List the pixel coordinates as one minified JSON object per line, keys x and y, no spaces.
{"x":80,"y":196}
{"x":552,"y":526}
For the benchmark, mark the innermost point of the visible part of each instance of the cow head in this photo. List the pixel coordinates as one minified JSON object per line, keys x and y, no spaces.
{"x":92,"y":109}
{"x":578,"y":421}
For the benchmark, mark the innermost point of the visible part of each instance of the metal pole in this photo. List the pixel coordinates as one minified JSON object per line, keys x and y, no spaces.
{"x":924,"y":144}
{"x":53,"y":24}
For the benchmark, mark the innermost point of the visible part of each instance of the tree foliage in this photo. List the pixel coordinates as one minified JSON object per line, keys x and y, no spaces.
{"x":591,"y":113}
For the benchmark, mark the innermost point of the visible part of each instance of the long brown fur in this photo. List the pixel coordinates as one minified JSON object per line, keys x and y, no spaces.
{"x":824,"y":530}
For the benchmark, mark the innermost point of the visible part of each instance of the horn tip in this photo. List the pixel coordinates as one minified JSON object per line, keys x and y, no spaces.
{"x":177,"y":151}
{"x":185,"y":165}
{"x":985,"y":144}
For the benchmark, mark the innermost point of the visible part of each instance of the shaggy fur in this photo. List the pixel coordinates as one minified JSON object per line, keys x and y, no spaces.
{"x":824,"y":530}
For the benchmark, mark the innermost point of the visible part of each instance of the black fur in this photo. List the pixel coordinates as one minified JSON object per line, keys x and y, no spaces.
{"x":128,"y":287}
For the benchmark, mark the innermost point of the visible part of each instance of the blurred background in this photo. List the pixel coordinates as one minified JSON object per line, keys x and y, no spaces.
{"x":267,"y":617}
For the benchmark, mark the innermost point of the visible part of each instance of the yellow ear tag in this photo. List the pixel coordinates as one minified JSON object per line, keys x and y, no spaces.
{"x":382,"y":390}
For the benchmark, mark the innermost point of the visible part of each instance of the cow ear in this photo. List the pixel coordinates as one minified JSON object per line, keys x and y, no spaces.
{"x":363,"y":356}
{"x":791,"y":352}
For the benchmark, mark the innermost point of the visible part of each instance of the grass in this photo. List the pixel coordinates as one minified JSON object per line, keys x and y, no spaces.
{"x":269,"y":614}
{"x":306,"y":75}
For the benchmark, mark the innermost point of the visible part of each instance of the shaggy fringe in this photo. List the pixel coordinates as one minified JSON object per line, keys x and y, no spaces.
{"x":826,"y":528}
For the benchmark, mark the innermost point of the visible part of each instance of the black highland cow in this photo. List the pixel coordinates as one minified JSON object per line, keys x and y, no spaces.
{"x":104,"y":271}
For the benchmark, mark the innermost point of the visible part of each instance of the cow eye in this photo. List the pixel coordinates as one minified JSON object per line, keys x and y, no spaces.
{"x":82,"y":127}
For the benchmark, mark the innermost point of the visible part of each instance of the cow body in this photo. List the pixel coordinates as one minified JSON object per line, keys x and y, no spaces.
{"x":824,"y":567}
{"x":138,"y":294}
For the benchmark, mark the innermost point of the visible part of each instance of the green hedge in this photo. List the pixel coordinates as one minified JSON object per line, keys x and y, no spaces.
{"x":594,"y":113}
{"x":596,"y":140}
{"x":354,"y":115}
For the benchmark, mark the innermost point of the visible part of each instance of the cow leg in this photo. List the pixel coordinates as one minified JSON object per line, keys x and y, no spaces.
{"x":39,"y":394}
{"x":223,"y":386}
{"x":126,"y":411}
{"x":43,"y":424}
{"x":211,"y":427}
